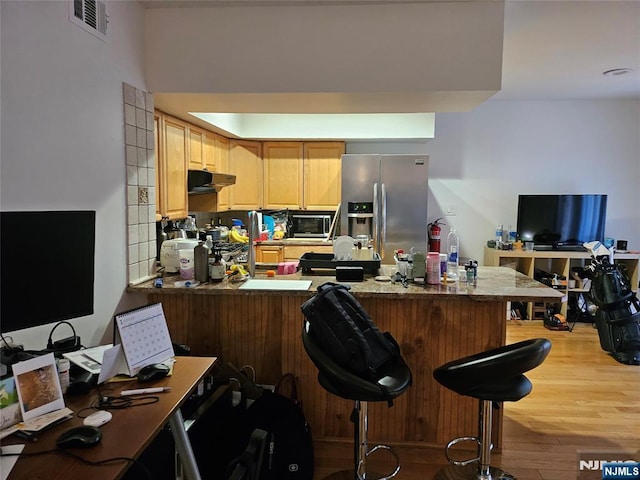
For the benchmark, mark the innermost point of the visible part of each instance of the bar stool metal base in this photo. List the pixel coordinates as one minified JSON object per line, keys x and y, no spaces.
{"x":470,"y":472}
{"x":359,"y":416}
{"x":350,"y":475}
{"x":477,"y":468}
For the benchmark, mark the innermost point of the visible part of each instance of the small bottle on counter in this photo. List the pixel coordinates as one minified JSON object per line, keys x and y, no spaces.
{"x":63,"y":365}
{"x":218,"y":269}
{"x":443,"y":264}
{"x":209,"y":244}
{"x":410,"y":270}
{"x":469,"y":274}
{"x":201,"y":262}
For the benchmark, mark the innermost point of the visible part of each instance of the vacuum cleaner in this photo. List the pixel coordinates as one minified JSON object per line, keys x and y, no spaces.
{"x":617,"y":316}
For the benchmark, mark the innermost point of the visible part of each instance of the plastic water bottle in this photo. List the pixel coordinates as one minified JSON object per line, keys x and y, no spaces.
{"x":453,"y":248}
{"x":499,"y":232}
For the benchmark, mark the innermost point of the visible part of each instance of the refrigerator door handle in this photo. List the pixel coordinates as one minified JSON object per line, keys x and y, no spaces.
{"x":383,"y":218}
{"x":376,"y":219}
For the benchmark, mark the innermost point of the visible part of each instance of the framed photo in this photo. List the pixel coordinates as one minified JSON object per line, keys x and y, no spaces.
{"x":38,"y":386}
{"x":9,"y":408}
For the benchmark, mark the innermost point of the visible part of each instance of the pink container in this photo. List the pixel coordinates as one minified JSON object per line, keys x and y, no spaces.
{"x":433,"y":268}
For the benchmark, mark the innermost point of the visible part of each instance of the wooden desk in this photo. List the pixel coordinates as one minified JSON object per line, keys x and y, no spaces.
{"x":127,"y":434}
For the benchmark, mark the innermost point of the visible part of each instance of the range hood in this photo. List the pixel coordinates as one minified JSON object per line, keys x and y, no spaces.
{"x":200,"y":182}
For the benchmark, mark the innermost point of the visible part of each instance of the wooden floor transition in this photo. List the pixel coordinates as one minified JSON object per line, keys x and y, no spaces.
{"x":582,"y":399}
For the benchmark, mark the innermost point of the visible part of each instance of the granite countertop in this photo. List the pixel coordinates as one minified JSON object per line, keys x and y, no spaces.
{"x":493,"y":283}
{"x":298,"y":241}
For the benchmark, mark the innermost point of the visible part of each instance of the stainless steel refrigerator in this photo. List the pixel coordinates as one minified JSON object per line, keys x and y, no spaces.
{"x":397,"y":186}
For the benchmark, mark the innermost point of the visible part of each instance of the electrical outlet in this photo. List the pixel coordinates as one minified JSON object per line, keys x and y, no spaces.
{"x":450,"y":210}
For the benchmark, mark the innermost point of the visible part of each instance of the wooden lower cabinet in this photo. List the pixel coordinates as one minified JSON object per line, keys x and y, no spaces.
{"x":287,"y":253}
{"x":264,"y":331}
{"x":294,"y":252}
{"x":270,"y":253}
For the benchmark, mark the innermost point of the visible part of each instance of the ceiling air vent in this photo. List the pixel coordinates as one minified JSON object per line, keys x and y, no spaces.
{"x":91,"y":15}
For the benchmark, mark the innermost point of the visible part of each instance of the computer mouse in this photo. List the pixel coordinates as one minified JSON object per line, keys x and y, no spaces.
{"x":153,"y":371}
{"x":84,"y":436}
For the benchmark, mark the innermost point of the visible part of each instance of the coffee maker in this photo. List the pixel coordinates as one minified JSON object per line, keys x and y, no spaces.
{"x":360,"y":216}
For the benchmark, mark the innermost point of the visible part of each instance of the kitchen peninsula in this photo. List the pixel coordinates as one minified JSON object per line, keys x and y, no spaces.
{"x":432,"y":324}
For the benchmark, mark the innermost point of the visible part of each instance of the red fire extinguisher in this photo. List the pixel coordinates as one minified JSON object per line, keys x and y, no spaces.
{"x":434,"y":235}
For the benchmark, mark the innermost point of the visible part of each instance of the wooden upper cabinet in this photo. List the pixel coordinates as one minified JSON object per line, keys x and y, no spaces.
{"x":196,"y":141}
{"x":322,"y":175}
{"x":245,"y":162}
{"x":302,"y":175}
{"x":271,"y":175}
{"x":283,"y":175}
{"x":209,"y":151}
{"x":174,"y":146}
{"x":222,"y":154}
{"x":159,"y":196}
{"x":222,"y":166}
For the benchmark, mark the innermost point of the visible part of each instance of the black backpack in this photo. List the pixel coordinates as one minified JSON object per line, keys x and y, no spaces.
{"x":288,"y":451}
{"x":347,"y":334}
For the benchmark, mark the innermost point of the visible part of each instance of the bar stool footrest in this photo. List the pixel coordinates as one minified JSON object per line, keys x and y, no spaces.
{"x":470,"y":472}
{"x":455,"y":441}
{"x":373,"y":450}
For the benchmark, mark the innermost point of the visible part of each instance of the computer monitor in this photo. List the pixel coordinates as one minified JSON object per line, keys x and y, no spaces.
{"x":47,"y":267}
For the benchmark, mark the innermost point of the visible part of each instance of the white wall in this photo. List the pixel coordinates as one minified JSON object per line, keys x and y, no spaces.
{"x":63,"y":138}
{"x":481,"y":160}
{"x":326,"y":48}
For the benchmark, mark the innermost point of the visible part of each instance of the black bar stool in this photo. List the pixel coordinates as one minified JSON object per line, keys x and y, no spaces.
{"x":392,"y":382}
{"x":492,"y":376}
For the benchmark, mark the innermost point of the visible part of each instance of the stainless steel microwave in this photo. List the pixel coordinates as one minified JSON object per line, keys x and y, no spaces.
{"x":310,"y":226}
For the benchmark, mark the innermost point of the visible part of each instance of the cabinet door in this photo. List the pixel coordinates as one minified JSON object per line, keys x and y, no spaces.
{"x":174,"y":168}
{"x":322,"y":175}
{"x":221,"y":159}
{"x":283,"y":175}
{"x":196,"y":138}
{"x":159,"y":196}
{"x":270,"y":253}
{"x":294,"y":252}
{"x":245,"y":162}
{"x":209,"y":151}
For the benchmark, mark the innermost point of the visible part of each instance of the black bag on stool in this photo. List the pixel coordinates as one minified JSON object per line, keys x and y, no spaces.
{"x":346,"y":332}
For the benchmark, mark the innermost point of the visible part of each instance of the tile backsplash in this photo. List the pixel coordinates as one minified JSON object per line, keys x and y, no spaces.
{"x":141,"y":189}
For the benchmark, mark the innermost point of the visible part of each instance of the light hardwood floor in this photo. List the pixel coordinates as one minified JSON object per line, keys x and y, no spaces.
{"x":582,"y":399}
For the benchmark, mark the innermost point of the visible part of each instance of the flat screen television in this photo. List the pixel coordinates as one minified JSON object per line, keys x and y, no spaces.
{"x":561,"y":222}
{"x":46,"y":267}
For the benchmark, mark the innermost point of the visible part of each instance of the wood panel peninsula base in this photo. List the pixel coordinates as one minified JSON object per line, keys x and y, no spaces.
{"x":432,"y":324}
